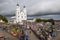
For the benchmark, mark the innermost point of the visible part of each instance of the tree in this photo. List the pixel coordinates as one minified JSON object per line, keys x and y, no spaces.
{"x":3,"y":18}
{"x":38,"y":20}
{"x":44,"y":20}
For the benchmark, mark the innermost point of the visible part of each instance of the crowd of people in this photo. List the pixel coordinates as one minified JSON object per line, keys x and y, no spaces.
{"x":46,"y":32}
{"x":18,"y":32}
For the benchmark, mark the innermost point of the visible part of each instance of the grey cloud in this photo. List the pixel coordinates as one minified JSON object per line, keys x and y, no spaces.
{"x":2,"y":1}
{"x":46,"y":6}
{"x":33,"y":6}
{"x":6,"y":7}
{"x":10,"y":5}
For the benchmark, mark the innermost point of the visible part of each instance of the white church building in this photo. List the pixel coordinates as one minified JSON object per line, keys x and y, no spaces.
{"x":20,"y":15}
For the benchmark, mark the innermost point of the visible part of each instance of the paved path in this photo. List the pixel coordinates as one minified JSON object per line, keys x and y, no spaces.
{"x":31,"y":35}
{"x":57,"y":36}
{"x":9,"y":37}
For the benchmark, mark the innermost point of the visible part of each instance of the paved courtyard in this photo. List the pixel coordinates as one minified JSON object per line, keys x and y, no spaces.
{"x":8,"y":36}
{"x":31,"y":35}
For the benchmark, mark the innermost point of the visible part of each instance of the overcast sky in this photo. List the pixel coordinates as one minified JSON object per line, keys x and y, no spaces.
{"x":33,"y":6}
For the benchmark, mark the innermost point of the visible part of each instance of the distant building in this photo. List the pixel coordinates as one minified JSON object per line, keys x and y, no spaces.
{"x":31,"y":20}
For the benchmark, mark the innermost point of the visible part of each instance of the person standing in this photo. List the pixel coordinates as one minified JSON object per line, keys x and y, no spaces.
{"x":26,"y":37}
{"x":42,"y":37}
{"x":5,"y":38}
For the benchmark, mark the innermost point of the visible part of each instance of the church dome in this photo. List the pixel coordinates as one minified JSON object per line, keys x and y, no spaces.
{"x":17,"y":4}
